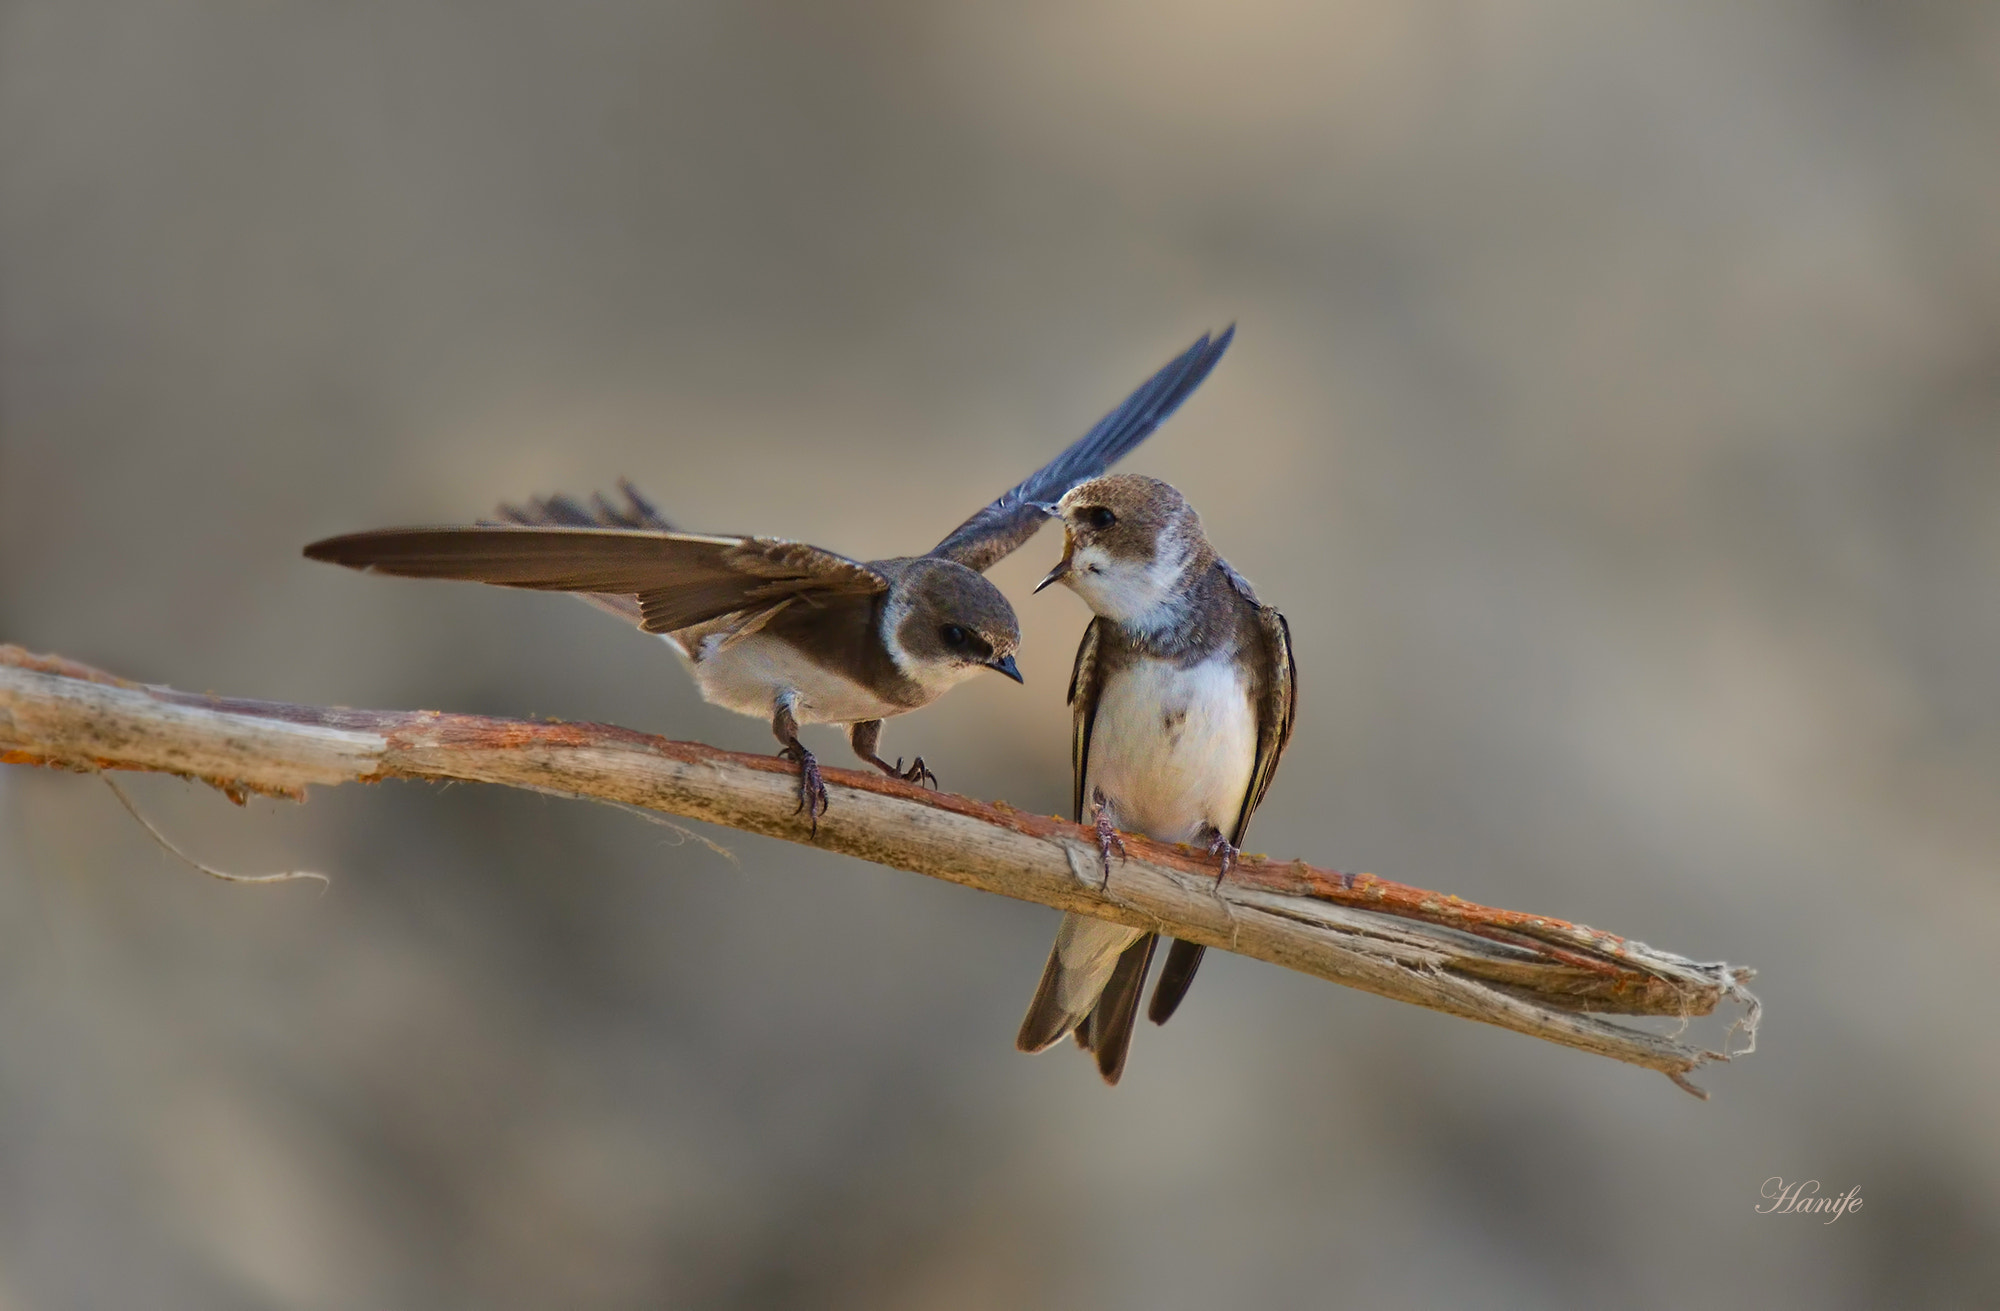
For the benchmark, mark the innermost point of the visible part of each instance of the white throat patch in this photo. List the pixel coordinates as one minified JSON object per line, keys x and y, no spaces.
{"x":893,"y":615}
{"x":1142,"y":596}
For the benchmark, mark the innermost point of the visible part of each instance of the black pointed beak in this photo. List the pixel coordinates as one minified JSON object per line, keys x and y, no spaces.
{"x":1061,"y":571}
{"x":1005,"y":665}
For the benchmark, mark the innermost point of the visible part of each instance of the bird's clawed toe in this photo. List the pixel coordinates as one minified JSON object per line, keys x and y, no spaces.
{"x":812,"y":788}
{"x":1220,"y":846}
{"x":1107,"y":832}
{"x":918,"y":773}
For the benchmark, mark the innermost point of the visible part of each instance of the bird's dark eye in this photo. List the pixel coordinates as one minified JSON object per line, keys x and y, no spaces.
{"x":1098,"y":517}
{"x":953,"y":635}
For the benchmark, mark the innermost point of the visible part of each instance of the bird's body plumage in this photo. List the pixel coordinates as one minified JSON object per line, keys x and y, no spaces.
{"x":1183,"y":696}
{"x":1176,"y":745}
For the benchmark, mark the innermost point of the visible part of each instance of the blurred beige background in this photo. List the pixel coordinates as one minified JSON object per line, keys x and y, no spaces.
{"x":1615,"y":412}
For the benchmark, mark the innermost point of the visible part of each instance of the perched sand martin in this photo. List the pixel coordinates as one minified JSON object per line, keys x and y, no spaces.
{"x":780,"y":629}
{"x":1183,"y":692}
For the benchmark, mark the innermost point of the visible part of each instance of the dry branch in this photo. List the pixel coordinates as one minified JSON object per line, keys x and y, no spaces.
{"x":1533,"y":974}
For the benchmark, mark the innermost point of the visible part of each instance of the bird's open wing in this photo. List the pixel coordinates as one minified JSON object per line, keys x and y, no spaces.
{"x":996,"y":531}
{"x":678,"y":579}
{"x":560,"y":511}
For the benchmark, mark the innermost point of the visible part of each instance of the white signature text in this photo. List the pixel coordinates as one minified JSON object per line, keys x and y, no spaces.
{"x":1803,"y":1198}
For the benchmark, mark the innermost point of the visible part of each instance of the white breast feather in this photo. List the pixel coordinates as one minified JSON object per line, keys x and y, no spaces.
{"x":1174,"y":748}
{"x":747,"y":675}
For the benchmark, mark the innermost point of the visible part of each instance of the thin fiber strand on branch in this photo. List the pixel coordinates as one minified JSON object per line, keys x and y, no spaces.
{"x":1536,"y":975}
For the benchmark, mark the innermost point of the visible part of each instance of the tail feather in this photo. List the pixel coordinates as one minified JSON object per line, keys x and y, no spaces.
{"x":1118,"y":1009}
{"x":1176,"y":977}
{"x":1080,"y":965}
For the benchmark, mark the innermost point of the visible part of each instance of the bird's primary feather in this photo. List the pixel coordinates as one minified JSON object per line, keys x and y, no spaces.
{"x":1000,"y":528}
{"x":562,"y":511}
{"x":677,"y":579}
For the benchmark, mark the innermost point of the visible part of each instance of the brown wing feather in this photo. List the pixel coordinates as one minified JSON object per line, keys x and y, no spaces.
{"x":998,"y":529}
{"x":679,"y":578}
{"x":1085,"y":682}
{"x":563,"y":511}
{"x":633,"y":510}
{"x":1276,"y":709}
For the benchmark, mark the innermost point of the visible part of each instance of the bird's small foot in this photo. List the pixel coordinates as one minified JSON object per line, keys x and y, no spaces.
{"x":812,"y":788}
{"x":1219,"y":846}
{"x":1107,"y":832}
{"x":918,"y":773}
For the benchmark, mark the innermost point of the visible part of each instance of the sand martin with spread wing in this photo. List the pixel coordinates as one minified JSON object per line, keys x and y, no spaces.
{"x":1183,"y":697}
{"x":779,"y":629}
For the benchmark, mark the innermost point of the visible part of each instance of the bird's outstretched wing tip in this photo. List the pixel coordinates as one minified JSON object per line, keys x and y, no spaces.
{"x":1003,"y":525}
{"x":561,"y":510}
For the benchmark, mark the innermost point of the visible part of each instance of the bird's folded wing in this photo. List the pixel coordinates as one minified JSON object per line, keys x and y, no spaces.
{"x":678,"y":579}
{"x":1276,"y":710}
{"x":998,"y":530}
{"x":1085,"y":682}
